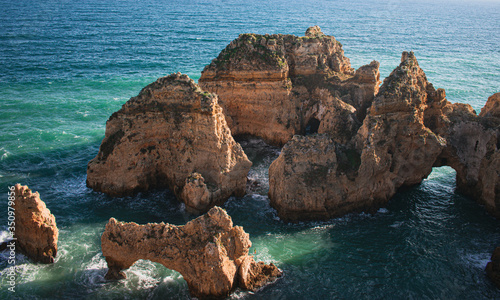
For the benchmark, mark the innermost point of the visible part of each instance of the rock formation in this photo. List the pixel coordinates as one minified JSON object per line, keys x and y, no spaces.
{"x":473,"y":150}
{"x":492,"y":107}
{"x":275,"y":86}
{"x":358,"y":149}
{"x":36,"y":233}
{"x":493,"y":267}
{"x":409,"y":128}
{"x":209,"y":252}
{"x":173,"y":134}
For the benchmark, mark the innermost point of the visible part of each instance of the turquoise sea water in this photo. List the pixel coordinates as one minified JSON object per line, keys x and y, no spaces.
{"x":66,"y":66}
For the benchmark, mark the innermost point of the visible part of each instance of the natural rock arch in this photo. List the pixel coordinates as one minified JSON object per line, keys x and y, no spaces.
{"x":209,"y":252}
{"x":272,"y":86}
{"x":473,"y":152}
{"x":409,"y":128}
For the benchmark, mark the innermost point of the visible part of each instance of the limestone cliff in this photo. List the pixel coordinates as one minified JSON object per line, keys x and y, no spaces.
{"x":169,"y":134}
{"x":474,"y":152}
{"x":209,"y":252}
{"x":275,"y":86}
{"x":35,"y":227}
{"x":409,"y":128}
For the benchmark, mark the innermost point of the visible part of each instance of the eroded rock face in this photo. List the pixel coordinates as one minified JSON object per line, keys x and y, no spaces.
{"x":492,"y":107}
{"x":275,"y":86}
{"x":36,"y":231}
{"x":409,"y":128}
{"x":472,"y":149}
{"x":474,"y":152}
{"x":163,"y":136}
{"x":209,"y":252}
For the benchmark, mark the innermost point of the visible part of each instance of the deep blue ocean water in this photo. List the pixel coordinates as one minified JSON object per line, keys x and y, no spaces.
{"x":66,"y":66}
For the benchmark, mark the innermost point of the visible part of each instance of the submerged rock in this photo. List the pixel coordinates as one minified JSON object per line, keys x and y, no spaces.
{"x":275,"y":86}
{"x":209,"y":252}
{"x":36,"y":233}
{"x":409,"y":128}
{"x":160,"y":138}
{"x":493,"y":267}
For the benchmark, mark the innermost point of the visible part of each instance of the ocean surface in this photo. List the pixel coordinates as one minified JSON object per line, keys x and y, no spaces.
{"x":66,"y":66}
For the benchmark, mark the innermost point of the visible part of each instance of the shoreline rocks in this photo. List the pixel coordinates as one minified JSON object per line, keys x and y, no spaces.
{"x":170,"y":133}
{"x":36,"y":234}
{"x":209,"y":252}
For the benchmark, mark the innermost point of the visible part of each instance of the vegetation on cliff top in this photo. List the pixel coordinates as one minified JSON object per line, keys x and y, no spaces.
{"x":253,"y":49}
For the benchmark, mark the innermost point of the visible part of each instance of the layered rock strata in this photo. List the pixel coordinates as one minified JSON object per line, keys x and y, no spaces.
{"x":409,"y":128}
{"x":173,"y":134}
{"x":36,"y":233}
{"x":209,"y":252}
{"x":275,"y":86}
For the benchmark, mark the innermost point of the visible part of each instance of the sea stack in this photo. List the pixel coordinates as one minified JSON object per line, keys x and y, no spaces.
{"x":209,"y":252}
{"x":276,"y":86}
{"x":173,"y":134}
{"x":409,"y":128}
{"x":36,"y":233}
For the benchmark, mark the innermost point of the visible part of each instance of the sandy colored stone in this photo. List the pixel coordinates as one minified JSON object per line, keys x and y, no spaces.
{"x":195,"y":192}
{"x":253,"y":275}
{"x":473,"y":151}
{"x":159,"y":138}
{"x":275,"y":86}
{"x":314,"y":31}
{"x":209,"y":252}
{"x":409,"y":129}
{"x":35,"y":229}
{"x":492,"y":107}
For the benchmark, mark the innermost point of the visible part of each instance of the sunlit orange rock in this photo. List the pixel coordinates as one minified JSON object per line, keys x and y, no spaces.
{"x":159,"y":138}
{"x":209,"y":252}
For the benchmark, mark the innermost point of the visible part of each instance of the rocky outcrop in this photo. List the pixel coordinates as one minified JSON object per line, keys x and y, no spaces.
{"x":473,"y":150}
{"x":493,"y":267}
{"x":275,"y":86}
{"x":209,"y":252}
{"x":492,"y":107}
{"x":409,"y":128}
{"x":36,"y":233}
{"x":173,"y":134}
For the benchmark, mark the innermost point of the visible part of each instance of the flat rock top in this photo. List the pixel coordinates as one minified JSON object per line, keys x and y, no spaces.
{"x":271,"y":52}
{"x":175,"y":92}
